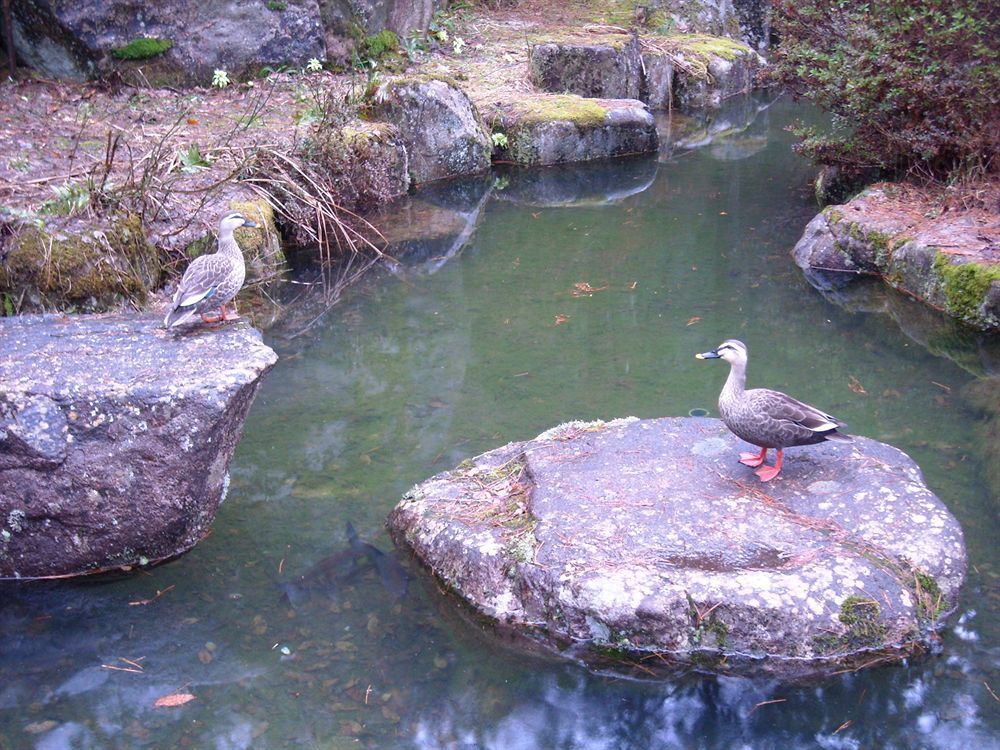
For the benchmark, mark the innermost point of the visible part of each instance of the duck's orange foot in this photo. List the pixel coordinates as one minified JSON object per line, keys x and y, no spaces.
{"x":211,"y":318}
{"x":767,"y":473}
{"x":753,"y":459}
{"x":226,"y":315}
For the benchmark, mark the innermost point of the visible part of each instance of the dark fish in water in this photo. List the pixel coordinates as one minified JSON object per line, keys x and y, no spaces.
{"x":327,"y":576}
{"x":392,"y":575}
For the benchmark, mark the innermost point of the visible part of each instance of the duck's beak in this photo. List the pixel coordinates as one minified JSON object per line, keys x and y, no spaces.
{"x":714,"y":354}
{"x":251,"y":224}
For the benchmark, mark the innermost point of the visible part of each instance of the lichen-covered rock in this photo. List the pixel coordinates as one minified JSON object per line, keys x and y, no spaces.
{"x":439,"y":126}
{"x":78,"y":39}
{"x":552,"y":129}
{"x":710,"y":70}
{"x":92,"y":270}
{"x":610,"y":69}
{"x":116,"y":437}
{"x":747,"y":20}
{"x":862,"y":237}
{"x":646,"y":540}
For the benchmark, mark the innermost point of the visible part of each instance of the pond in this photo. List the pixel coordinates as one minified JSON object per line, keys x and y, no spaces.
{"x":517,"y":302}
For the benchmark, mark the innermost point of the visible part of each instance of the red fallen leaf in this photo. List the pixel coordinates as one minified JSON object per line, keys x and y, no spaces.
{"x":693,"y":320}
{"x":174,"y":699}
{"x":560,"y":318}
{"x":192,"y":121}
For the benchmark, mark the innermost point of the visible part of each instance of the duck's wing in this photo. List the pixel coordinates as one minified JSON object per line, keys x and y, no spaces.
{"x":792,"y":413}
{"x":198,"y":285}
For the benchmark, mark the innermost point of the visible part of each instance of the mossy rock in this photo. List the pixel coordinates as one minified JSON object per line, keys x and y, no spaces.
{"x":578,"y":110}
{"x":142,"y":48}
{"x":95,"y":271}
{"x":966,"y":286}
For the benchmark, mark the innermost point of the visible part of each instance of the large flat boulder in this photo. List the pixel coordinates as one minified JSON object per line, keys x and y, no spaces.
{"x":558,"y":128}
{"x":116,"y":437}
{"x":644,"y":544}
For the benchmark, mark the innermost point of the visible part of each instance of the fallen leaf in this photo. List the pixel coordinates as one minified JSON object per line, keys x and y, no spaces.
{"x":855,"y":386}
{"x":692,"y":321}
{"x":561,"y":318}
{"x":174,"y":699}
{"x":583,"y":289}
{"x":192,"y":121}
{"x":633,"y":285}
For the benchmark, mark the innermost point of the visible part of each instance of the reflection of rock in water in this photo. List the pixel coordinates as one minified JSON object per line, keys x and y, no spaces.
{"x":425,"y":230}
{"x":941,"y":335}
{"x":736,"y":131}
{"x":983,"y":395}
{"x":578,"y":184}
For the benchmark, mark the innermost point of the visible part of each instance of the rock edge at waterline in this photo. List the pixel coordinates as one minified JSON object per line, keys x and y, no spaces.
{"x":116,"y":437}
{"x":642,"y":545}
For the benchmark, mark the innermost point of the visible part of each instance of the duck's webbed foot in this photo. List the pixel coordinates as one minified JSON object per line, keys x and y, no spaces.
{"x":767,"y":473}
{"x":753,"y":459}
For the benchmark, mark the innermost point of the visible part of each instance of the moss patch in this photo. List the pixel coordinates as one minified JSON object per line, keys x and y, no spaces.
{"x":861,"y":616}
{"x":965,"y":285}
{"x":142,"y":48}
{"x":559,"y":107}
{"x":706,"y":47}
{"x":91,"y":272}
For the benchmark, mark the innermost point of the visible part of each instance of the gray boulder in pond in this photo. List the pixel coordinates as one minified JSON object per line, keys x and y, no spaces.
{"x":642,"y":544}
{"x":439,"y":126}
{"x":116,"y":437}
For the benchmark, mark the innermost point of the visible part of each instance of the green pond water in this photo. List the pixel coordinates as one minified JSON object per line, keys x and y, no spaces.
{"x":485,"y":332}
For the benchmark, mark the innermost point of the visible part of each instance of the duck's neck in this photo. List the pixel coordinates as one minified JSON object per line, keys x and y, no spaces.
{"x":228,"y":244}
{"x":736,"y":382}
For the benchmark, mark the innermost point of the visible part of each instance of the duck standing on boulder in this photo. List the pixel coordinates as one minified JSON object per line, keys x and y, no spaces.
{"x":766,"y":418}
{"x":211,"y":281}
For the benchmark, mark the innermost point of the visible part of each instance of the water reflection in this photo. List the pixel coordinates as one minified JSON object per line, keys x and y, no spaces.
{"x":480,"y":336}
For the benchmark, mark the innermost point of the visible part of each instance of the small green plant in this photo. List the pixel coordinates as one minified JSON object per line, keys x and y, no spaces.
{"x":220,"y":79}
{"x":457,"y":45}
{"x":70,"y":198}
{"x":192,"y":159}
{"x":499,"y":140}
{"x":142,"y":48}
{"x":277,"y":5}
{"x":414,"y":46}
{"x":20,"y":164}
{"x":314,"y":65}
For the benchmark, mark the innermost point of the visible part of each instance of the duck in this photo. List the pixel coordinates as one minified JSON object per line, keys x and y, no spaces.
{"x":765,"y":418}
{"x":212,"y":280}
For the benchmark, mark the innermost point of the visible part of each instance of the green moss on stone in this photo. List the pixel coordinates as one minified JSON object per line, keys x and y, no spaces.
{"x":142,"y":48}
{"x":706,"y":47}
{"x":377,"y":45}
{"x":861,"y":616}
{"x":96,"y":271}
{"x":560,"y":108}
{"x":965,"y":285}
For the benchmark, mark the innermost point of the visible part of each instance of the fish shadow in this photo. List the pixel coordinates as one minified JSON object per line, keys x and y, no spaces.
{"x":328,"y":578}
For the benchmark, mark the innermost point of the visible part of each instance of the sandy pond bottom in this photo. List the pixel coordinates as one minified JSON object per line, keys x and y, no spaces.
{"x":583,"y":301}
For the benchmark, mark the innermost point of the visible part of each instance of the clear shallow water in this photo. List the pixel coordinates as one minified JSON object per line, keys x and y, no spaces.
{"x":442,"y":359}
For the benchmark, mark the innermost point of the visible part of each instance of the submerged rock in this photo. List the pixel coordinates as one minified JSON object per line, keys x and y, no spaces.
{"x":642,"y":544}
{"x":116,"y":437}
